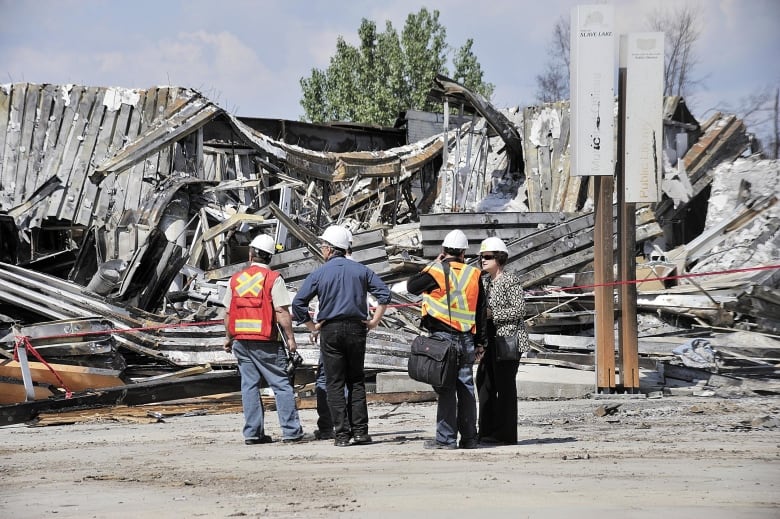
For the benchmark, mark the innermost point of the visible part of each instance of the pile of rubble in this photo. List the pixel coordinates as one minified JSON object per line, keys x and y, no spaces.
{"x":123,"y":214}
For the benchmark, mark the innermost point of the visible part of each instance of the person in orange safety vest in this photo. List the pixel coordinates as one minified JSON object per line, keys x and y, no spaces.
{"x":454,"y":309}
{"x":257,"y":301}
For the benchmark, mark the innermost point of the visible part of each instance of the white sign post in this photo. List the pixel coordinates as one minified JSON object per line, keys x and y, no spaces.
{"x":642,"y":56}
{"x":592,"y":90}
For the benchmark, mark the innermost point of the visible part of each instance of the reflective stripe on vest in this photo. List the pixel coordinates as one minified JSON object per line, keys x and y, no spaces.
{"x":250,"y":285}
{"x":464,"y":293}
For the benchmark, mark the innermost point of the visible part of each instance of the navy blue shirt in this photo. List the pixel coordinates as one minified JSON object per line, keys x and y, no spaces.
{"x":340,"y":286}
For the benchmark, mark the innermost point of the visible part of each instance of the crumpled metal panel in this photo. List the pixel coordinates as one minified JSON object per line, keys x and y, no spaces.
{"x":63,"y":132}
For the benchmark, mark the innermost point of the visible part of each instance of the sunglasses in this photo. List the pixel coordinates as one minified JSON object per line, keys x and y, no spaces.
{"x":487,"y":256}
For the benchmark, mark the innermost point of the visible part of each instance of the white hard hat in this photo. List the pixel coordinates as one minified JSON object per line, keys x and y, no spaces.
{"x":264,"y":243}
{"x":337,"y":236}
{"x":493,"y":244}
{"x":455,"y":240}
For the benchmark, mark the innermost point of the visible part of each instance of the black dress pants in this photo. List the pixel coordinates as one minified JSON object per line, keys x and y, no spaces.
{"x":343,"y":347}
{"x":497,"y":393}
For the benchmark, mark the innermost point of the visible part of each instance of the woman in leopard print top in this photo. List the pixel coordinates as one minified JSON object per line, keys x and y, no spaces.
{"x":496,"y":385}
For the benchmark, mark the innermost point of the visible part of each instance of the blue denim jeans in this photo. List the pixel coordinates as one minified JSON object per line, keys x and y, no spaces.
{"x":324,"y":421}
{"x":343,"y":347}
{"x":457,"y":406}
{"x":258,"y":361}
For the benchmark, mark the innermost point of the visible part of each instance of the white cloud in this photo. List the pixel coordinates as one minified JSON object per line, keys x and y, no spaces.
{"x":249,"y":56}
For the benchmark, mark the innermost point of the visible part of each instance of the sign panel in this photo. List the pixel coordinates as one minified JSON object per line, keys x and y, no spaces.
{"x":592,"y":90}
{"x":642,"y":55}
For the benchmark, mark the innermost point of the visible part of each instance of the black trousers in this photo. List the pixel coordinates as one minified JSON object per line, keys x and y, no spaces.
{"x":343,"y":347}
{"x":497,"y":393}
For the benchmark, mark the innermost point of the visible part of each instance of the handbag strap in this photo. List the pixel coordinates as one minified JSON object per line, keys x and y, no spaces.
{"x":446,"y":268}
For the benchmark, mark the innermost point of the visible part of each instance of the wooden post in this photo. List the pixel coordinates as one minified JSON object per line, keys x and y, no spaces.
{"x":628,"y":345}
{"x":640,"y":140}
{"x":604,"y":277}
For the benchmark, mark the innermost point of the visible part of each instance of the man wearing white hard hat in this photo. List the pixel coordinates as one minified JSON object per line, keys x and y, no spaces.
{"x":453,"y":309}
{"x":341,"y":287}
{"x":257,"y":300}
{"x":324,"y":419}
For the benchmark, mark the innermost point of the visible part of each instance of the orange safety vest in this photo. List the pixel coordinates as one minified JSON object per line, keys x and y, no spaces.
{"x":252,"y":315}
{"x":464,"y":292}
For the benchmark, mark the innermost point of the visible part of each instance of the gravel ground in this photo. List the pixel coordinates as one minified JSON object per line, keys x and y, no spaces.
{"x":673,"y":457}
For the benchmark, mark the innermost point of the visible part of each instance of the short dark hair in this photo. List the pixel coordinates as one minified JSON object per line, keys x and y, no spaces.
{"x":261,"y":255}
{"x":453,"y":252}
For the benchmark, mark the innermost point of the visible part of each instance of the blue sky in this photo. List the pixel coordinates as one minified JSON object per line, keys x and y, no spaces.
{"x":248,"y":56}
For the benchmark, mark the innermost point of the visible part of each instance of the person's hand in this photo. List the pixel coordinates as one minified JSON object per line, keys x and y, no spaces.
{"x":314,"y":335}
{"x":373,"y":323}
{"x":228,"y":345}
{"x":479,"y":352}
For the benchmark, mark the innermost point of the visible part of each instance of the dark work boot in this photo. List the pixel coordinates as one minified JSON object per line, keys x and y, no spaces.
{"x":361,"y":438}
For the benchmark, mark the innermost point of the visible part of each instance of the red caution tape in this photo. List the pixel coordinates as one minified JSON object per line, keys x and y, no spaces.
{"x":25,"y":343}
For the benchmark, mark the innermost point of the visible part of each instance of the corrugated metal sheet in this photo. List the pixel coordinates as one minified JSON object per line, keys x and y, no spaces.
{"x":64,"y":131}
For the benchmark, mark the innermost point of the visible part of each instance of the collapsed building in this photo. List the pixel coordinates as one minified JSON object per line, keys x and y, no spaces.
{"x":123,"y":213}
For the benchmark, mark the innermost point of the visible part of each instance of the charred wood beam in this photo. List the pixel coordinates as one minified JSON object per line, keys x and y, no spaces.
{"x":130,"y":394}
{"x":305,"y":236}
{"x":446,"y":88}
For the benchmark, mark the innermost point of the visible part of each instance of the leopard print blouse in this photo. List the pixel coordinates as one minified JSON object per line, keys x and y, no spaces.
{"x":506,"y":301}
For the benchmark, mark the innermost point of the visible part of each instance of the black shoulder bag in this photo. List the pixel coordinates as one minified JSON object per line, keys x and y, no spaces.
{"x":435,"y":361}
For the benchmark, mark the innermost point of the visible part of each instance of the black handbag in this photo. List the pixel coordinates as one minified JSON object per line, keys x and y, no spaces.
{"x":433,"y":361}
{"x":507,"y":348}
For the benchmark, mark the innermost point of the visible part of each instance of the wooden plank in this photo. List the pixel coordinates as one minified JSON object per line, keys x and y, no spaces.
{"x":76,"y":378}
{"x":5,"y":112}
{"x":11,"y":393}
{"x":557,"y":362}
{"x":546,"y":177}
{"x":150,"y":105}
{"x":561,"y":143}
{"x":81,"y":204}
{"x":558,"y":248}
{"x":451,"y":221}
{"x":44,"y":136}
{"x":168,"y":101}
{"x":134,"y":185}
{"x":575,"y":189}
{"x":130,"y":394}
{"x":532,"y":182}
{"x":561,"y":162}
{"x":100,"y":153}
{"x":109,"y":189}
{"x":77,"y":122}
{"x":13,"y":142}
{"x":148,"y":108}
{"x":25,"y":174}
{"x":603,"y":273}
{"x":188,"y":120}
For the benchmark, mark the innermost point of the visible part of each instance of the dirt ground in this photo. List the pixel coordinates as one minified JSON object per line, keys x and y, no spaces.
{"x":673,"y":457}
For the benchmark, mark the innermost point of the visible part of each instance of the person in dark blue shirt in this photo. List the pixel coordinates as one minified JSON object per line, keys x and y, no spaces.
{"x":341,"y":287}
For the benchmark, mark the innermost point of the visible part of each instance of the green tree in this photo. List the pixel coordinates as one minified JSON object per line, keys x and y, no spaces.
{"x":468,"y":71}
{"x":387,"y":73}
